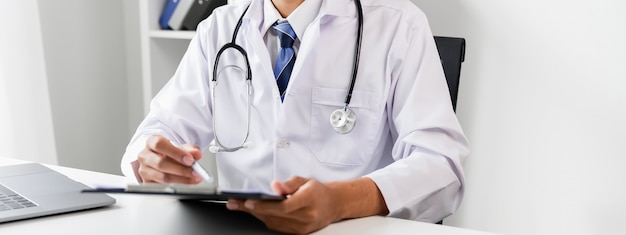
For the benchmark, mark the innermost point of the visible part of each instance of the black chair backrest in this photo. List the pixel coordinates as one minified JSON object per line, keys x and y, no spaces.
{"x":452,"y":54}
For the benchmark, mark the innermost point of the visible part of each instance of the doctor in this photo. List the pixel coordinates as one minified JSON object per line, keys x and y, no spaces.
{"x":347,"y":133}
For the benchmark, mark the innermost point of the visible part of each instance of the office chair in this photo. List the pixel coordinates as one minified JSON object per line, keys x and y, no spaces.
{"x":452,"y":54}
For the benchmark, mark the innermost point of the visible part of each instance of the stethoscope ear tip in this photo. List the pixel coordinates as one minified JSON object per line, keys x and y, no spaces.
{"x":214,"y":149}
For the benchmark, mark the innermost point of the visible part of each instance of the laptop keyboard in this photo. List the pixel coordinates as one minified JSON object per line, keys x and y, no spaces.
{"x":10,"y":200}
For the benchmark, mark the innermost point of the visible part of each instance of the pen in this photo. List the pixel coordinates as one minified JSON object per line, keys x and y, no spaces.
{"x":202,"y":172}
{"x":198,"y":168}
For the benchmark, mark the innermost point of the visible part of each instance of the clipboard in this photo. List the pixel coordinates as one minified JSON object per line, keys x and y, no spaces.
{"x":187,"y":192}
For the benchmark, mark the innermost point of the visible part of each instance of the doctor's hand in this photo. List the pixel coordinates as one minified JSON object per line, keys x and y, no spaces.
{"x":312,"y":205}
{"x":162,"y":162}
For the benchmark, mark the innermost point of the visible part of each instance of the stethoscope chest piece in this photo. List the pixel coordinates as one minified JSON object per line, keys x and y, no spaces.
{"x":342,"y":120}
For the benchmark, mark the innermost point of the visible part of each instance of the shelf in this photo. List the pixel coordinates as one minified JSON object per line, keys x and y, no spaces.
{"x":171,"y":34}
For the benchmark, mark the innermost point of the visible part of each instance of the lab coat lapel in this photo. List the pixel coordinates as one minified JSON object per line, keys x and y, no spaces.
{"x":306,"y":52}
{"x":257,"y":51}
{"x":263,"y":75}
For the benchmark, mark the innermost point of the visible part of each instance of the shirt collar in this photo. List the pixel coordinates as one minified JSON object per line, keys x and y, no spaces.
{"x":299,"y":19}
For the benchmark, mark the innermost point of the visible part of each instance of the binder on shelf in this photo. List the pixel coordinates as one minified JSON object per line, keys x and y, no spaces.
{"x":168,"y":10}
{"x":176,"y":21}
{"x":200,"y":10}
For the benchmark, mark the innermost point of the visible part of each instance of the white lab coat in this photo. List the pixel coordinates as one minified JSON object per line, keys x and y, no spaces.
{"x":406,"y":139}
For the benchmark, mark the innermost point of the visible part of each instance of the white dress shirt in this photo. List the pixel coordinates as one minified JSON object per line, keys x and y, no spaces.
{"x":406,"y":138}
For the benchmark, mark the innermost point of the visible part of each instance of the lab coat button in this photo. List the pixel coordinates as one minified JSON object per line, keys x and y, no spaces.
{"x":282,"y":143}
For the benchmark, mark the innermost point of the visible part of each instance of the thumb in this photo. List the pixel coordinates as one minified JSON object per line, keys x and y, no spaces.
{"x":288,"y":187}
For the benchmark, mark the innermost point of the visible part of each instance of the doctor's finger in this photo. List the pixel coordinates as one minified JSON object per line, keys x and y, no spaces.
{"x":259,"y":207}
{"x":162,"y":145}
{"x":148,"y":158}
{"x":167,"y":165}
{"x":296,"y":202}
{"x":193,"y":150}
{"x":279,"y":209}
{"x":288,"y":187}
{"x":151,"y":175}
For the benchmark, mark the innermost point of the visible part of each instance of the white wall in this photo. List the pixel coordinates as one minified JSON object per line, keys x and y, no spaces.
{"x":84,"y":46}
{"x":26,"y":130}
{"x":133,"y":66}
{"x":543,"y":102}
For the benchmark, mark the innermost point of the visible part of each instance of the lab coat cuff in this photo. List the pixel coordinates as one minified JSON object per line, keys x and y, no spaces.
{"x":129,"y":162}
{"x":388,"y":190}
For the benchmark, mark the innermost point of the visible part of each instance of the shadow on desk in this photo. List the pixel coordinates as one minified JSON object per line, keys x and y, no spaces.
{"x":215,"y":218}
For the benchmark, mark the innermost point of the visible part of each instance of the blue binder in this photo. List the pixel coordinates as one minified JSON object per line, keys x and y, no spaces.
{"x":168,"y":10}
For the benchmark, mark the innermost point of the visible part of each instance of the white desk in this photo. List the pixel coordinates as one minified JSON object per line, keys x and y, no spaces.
{"x":140,"y":214}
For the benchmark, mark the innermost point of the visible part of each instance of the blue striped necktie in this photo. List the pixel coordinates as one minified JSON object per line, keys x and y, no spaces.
{"x":286,"y":57}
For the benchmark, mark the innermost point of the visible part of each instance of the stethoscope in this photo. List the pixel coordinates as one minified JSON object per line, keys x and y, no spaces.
{"x":342,"y":120}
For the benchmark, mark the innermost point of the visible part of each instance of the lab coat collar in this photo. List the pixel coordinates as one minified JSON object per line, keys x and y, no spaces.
{"x":338,"y":8}
{"x":255,"y":12}
{"x":270,"y":16}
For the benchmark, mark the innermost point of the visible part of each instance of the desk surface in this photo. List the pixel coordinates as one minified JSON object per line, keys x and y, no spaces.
{"x":141,"y":214}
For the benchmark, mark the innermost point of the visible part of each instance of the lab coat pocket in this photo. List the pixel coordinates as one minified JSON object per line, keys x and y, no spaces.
{"x":349,"y":149}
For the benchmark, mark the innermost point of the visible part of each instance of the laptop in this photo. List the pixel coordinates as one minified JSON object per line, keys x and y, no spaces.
{"x":33,"y":190}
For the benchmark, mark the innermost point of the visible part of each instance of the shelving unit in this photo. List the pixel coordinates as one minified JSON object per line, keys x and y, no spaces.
{"x":161,"y":50}
{"x":165,"y":34}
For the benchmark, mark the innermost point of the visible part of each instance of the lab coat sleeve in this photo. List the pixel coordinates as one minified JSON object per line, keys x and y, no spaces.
{"x":425,"y":181}
{"x":181,"y":110}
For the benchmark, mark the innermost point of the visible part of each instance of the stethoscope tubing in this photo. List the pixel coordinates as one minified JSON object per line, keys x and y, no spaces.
{"x":357,"y":52}
{"x":346,"y":112}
